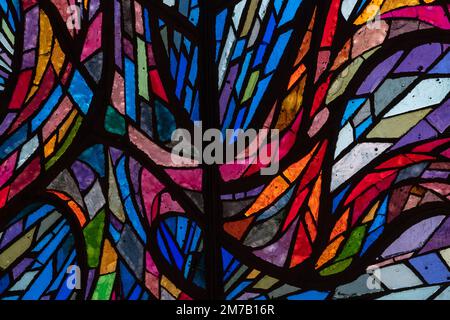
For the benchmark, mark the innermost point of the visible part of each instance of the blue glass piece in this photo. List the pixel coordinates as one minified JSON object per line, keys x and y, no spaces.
{"x":127,"y":279}
{"x":162,"y":247}
{"x":134,"y":218}
{"x":39,"y":285}
{"x":338,"y":198}
{"x":13,"y":142}
{"x":290,"y":11}
{"x":239,"y":48}
{"x":80,"y":92}
{"x":351,"y":108}
{"x":278,"y":50}
{"x":38,"y":214}
{"x":362,"y":127}
{"x":95,"y":157}
{"x":165,"y":122}
{"x":256,"y":102}
{"x":371,"y":238}
{"x":47,"y":109}
{"x":220,"y":24}
{"x":236,"y":291}
{"x":309,"y":295}
{"x":130,"y":89}
{"x":432,"y":268}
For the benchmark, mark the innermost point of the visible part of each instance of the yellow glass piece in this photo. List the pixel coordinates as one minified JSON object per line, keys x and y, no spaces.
{"x":49,"y":148}
{"x":296,"y":169}
{"x":109,"y":259}
{"x":31,"y":92}
{"x":369,"y":12}
{"x":58,"y":57}
{"x":45,"y":46}
{"x":390,"y":5}
{"x":269,"y":194}
{"x":329,"y":252}
{"x":253,"y":274}
{"x":314,"y":199}
{"x":249,"y":19}
{"x":66,"y":125}
{"x":291,"y":105}
{"x":369,"y":217}
{"x":169,"y":286}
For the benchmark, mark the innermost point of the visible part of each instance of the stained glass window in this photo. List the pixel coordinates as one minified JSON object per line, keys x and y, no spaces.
{"x":348,"y":99}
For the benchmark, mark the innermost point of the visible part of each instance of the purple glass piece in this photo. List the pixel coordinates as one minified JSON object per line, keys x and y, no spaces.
{"x":115,"y":222}
{"x":378,"y":74}
{"x":255,"y":191}
{"x":420,"y":58}
{"x":135,"y":168}
{"x":440,"y":238}
{"x":6,"y":58}
{"x":115,"y":154}
{"x":421,"y":131}
{"x":413,"y":238}
{"x":277,"y":252}
{"x":85,"y":176}
{"x":240,"y":195}
{"x":117,"y":35}
{"x":3,"y":74}
{"x":226,"y":92}
{"x":90,"y":280}
{"x":31,"y":25}
{"x":11,"y":233}
{"x":440,"y":118}
{"x":435,"y":174}
{"x":20,"y":268}
{"x":28,"y":59}
{"x":7,"y":122}
{"x":93,"y":7}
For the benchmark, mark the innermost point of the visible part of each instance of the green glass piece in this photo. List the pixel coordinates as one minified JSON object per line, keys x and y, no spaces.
{"x":66,"y":143}
{"x":15,"y":250}
{"x":142,"y":69}
{"x":93,"y":234}
{"x":104,"y":287}
{"x":114,"y":122}
{"x":251,"y":86}
{"x":265,"y":283}
{"x":336,"y":267}
{"x":353,"y":243}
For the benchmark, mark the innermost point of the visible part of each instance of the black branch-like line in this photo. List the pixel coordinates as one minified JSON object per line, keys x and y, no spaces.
{"x":91,"y":132}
